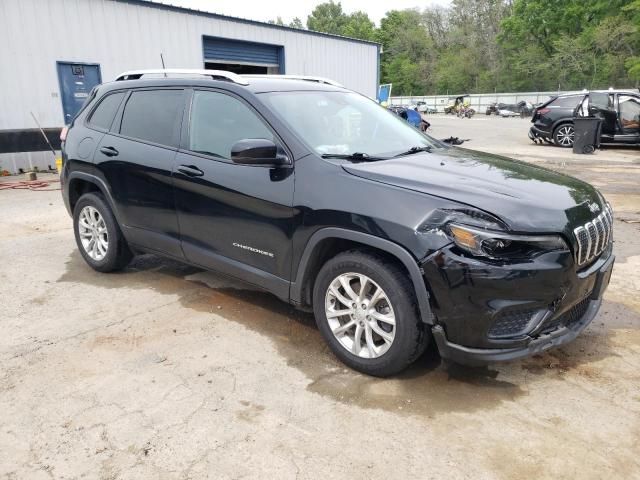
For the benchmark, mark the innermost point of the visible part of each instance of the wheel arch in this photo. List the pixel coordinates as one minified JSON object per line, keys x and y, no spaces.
{"x":559,"y":123}
{"x":326,"y":240}
{"x":79,"y":183}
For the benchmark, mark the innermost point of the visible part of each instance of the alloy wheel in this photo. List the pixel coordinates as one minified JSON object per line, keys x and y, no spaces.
{"x":565,"y":135}
{"x":360,"y":315}
{"x":93,"y":233}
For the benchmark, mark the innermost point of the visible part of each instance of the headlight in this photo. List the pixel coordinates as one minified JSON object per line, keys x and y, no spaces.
{"x":500,"y":245}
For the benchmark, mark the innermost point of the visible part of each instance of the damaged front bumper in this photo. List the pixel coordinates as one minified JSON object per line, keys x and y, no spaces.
{"x":465,"y":333}
{"x":481,"y":356}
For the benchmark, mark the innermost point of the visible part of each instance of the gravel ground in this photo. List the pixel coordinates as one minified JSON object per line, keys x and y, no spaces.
{"x":164,"y":371}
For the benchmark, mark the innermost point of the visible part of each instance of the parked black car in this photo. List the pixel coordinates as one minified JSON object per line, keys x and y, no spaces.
{"x":619,"y":109}
{"x":332,"y":203}
{"x":523,"y":108}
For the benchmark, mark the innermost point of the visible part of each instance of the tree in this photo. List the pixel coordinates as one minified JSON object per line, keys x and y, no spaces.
{"x":296,"y":23}
{"x":359,"y":25}
{"x":477,"y":46}
{"x":581,"y":44}
{"x":407,"y":51}
{"x":277,"y":21}
{"x":633,"y":62}
{"x":327,"y":17}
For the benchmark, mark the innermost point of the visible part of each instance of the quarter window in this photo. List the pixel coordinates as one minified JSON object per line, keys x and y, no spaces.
{"x":102,"y":116}
{"x":153,"y":116}
{"x":219,"y":120}
{"x":567,"y":102}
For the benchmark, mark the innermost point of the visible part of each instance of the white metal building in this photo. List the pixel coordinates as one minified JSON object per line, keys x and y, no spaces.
{"x":52,"y":52}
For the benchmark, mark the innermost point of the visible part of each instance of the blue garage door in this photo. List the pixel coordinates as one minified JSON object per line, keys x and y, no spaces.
{"x":224,"y":50}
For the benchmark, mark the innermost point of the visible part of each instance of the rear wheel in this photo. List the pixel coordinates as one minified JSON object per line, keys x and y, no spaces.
{"x":98,"y":236}
{"x":564,"y":135}
{"x":366,"y":310}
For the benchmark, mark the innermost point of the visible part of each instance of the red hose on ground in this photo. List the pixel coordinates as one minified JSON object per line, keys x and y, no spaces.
{"x":35,"y":185}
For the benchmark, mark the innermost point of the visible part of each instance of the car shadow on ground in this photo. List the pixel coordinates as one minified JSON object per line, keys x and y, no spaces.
{"x":428,"y":387}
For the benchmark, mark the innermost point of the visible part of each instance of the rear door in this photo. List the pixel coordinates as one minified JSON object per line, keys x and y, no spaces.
{"x":602,"y":105}
{"x":136,"y":158}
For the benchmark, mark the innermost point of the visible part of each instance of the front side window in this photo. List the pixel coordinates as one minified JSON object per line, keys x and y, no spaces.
{"x":338,"y":122}
{"x":103,"y":115}
{"x":629,"y":112}
{"x":153,"y":116}
{"x":218,"y":121}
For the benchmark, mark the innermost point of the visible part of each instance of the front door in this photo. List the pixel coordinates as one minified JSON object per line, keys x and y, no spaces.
{"x":76,"y":82}
{"x":629,"y":115}
{"x":233,"y":218}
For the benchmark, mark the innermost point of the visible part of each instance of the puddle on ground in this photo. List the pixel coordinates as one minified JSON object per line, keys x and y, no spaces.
{"x":427,"y":388}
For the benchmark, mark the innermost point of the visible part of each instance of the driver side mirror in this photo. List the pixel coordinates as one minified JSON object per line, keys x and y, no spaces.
{"x":258,"y":151}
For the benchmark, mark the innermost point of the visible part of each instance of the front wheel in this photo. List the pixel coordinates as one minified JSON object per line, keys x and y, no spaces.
{"x":366,"y":310}
{"x":564,"y":135}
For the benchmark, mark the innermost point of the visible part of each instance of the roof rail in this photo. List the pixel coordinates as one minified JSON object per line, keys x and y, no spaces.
{"x":214,"y":74}
{"x":308,"y":78}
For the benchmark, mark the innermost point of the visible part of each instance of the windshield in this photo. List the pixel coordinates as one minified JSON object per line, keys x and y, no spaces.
{"x":344,"y":123}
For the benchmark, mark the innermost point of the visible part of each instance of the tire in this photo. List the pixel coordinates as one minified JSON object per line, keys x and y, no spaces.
{"x":409,"y":336}
{"x":109,"y":250}
{"x":564,"y":135}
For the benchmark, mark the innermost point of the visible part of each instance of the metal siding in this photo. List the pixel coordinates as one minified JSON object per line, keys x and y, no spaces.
{"x":235,"y":51}
{"x":125,"y":36}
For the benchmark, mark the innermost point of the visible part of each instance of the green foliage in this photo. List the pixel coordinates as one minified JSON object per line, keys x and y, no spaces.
{"x":478,"y":46}
{"x":327,"y":17}
{"x":407,"y":52}
{"x":330,"y":18}
{"x":277,"y":21}
{"x":584,"y":43}
{"x":359,"y":26}
{"x":296,"y":23}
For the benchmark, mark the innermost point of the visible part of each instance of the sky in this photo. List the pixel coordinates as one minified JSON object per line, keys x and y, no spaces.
{"x":265,"y":10}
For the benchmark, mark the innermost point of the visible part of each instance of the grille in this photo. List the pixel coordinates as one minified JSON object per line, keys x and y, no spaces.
{"x":577,"y":312}
{"x":573,"y":315}
{"x":512,"y":323}
{"x":594,"y":236}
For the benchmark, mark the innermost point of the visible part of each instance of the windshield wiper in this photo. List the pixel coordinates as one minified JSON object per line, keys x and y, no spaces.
{"x":412,"y":150}
{"x":355,"y":157}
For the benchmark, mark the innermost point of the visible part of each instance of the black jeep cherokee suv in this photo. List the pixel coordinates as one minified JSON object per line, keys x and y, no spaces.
{"x":320,"y":196}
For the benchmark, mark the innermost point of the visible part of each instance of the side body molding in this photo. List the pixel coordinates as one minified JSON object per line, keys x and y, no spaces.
{"x":296,"y":291}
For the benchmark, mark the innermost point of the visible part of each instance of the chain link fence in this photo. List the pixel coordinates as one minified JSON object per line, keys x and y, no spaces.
{"x":479,"y":102}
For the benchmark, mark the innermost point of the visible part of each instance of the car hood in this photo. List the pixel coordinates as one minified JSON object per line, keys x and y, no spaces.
{"x":526,"y":197}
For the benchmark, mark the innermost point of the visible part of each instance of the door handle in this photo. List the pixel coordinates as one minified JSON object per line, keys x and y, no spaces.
{"x":190,"y":170}
{"x":109,"y":151}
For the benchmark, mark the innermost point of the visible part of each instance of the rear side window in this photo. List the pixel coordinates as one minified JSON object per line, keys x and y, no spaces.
{"x":102,"y":116}
{"x":568,"y":102}
{"x":153,"y":116}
